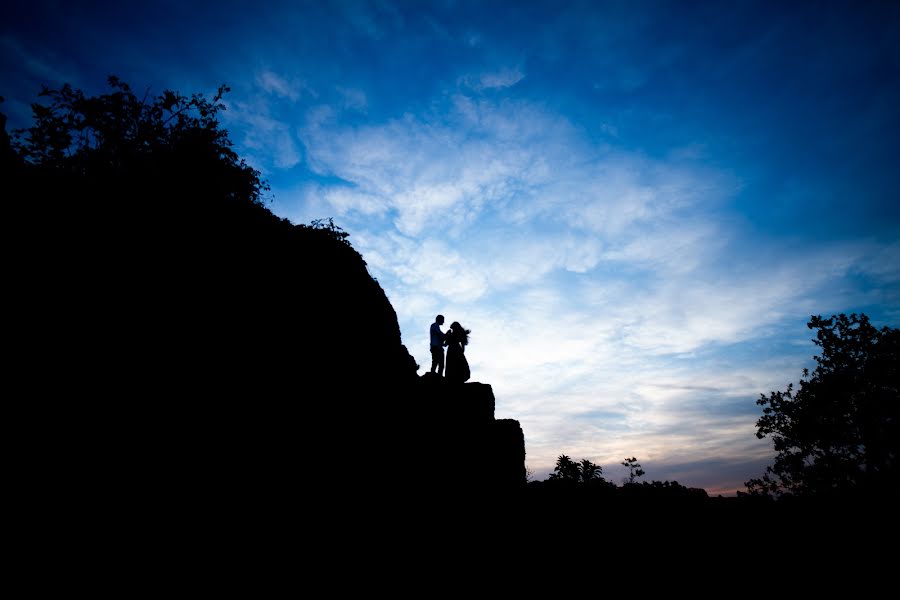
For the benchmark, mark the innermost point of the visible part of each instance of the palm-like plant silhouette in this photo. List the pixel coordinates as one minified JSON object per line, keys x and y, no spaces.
{"x":566,"y":469}
{"x":577,"y":472}
{"x":589,"y":471}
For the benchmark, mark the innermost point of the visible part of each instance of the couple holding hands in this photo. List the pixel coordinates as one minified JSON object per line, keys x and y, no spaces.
{"x":455,"y":339}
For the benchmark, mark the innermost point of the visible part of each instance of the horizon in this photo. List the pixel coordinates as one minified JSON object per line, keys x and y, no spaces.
{"x":635,"y":211}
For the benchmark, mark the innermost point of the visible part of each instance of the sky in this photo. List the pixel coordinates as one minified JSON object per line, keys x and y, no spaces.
{"x":634,"y":206}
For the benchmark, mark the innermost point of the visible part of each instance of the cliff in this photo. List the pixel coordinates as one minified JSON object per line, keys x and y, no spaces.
{"x":459,"y":429}
{"x":223,"y":355}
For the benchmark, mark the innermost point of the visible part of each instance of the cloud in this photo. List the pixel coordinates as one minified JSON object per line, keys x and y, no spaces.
{"x":345,"y":200}
{"x":596,"y":370}
{"x":625,"y":414}
{"x":881,"y":262}
{"x":369,"y":18}
{"x":589,"y":275}
{"x":36,"y":64}
{"x":273,"y":83}
{"x":495,"y":80}
{"x":611,"y":353}
{"x":430,"y":265}
{"x":353,"y":99}
{"x":509,"y":161}
{"x":266,"y":142}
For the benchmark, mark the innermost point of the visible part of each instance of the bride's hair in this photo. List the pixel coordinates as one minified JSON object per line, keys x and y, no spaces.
{"x":460,"y":333}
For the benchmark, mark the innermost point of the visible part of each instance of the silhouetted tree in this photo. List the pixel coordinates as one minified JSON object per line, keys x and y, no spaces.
{"x":589,"y":472}
{"x":120,"y":133}
{"x":566,"y":470}
{"x":583,"y":472}
{"x":634,"y":468}
{"x":838,"y":433}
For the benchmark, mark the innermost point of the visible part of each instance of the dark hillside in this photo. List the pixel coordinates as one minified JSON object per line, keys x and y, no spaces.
{"x":216,"y":351}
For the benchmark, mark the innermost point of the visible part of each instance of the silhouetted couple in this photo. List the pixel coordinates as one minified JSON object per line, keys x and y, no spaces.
{"x":455,"y":339}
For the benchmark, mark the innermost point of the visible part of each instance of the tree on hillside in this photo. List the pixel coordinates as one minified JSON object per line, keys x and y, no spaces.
{"x":166,"y":147}
{"x":93,"y":135}
{"x":839,"y":432}
{"x":634,"y":468}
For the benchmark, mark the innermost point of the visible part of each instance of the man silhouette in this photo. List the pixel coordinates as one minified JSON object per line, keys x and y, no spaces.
{"x":438,"y":341}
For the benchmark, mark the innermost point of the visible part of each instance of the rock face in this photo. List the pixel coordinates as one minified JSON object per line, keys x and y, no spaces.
{"x":483,"y":453}
{"x":297,"y":355}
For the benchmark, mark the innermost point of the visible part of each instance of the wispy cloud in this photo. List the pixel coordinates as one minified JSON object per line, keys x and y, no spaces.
{"x":344,"y":200}
{"x":493,"y":80}
{"x":281,"y":87}
{"x":510,"y":160}
{"x":37,"y":64}
{"x":371,"y":18}
{"x":268,"y":143}
{"x":353,"y":99}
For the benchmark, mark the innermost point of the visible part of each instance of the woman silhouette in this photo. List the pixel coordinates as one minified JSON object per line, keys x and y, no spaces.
{"x":457,"y":365}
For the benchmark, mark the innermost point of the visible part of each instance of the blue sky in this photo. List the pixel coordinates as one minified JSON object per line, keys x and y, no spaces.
{"x":635,"y":206}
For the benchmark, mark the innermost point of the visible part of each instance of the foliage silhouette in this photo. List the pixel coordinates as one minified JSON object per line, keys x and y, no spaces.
{"x":118,"y":132}
{"x":838,"y":434}
{"x":589,"y":472}
{"x":583,"y":473}
{"x":565,"y":470}
{"x":634,"y":468}
{"x":327,"y":225}
{"x":580,"y":485}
